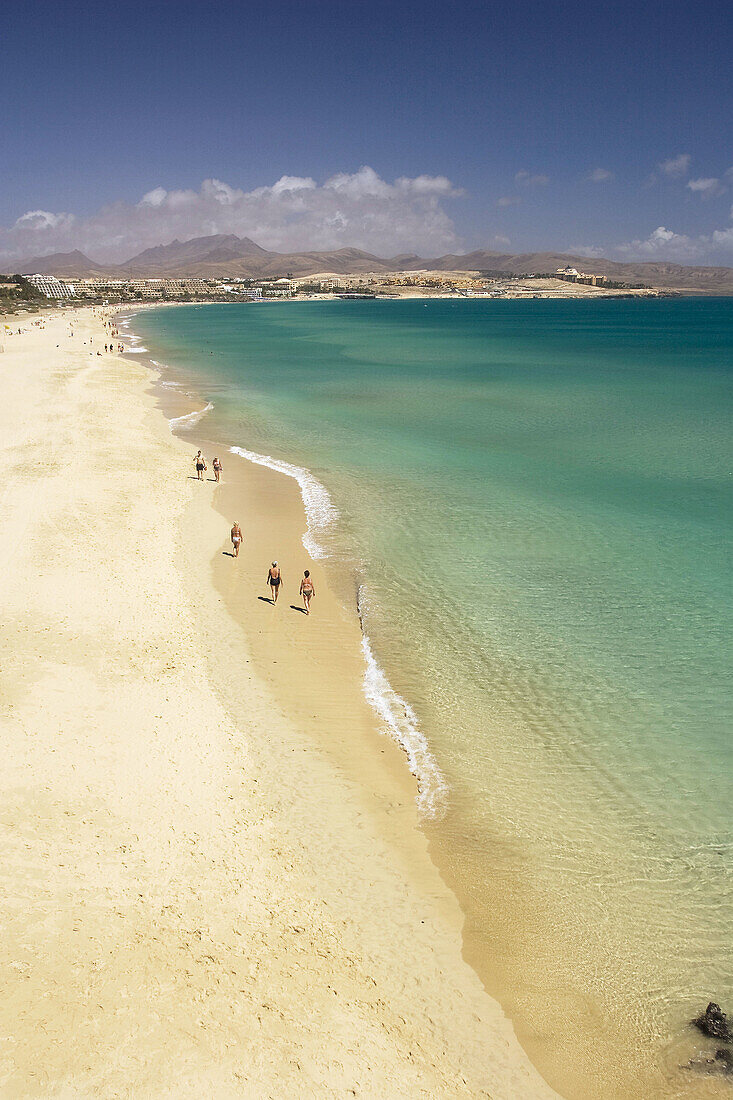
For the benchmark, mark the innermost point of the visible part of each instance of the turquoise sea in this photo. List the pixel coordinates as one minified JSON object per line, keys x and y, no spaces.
{"x":534,"y":499}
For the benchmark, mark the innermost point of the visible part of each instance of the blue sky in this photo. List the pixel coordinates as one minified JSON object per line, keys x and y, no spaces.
{"x":517,"y":127}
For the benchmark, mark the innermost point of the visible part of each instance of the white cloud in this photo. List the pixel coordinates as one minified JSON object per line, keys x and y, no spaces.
{"x":220,"y":192}
{"x":508,"y":200}
{"x":428,"y":185}
{"x":357,"y":209}
{"x":526,"y":179}
{"x":665,"y":244}
{"x":589,"y":250}
{"x":708,"y":188}
{"x":359,"y":184}
{"x":599,"y":175}
{"x":676,"y":166}
{"x":39,"y":220}
{"x":723,"y":238}
{"x":154,"y":197}
{"x":293,"y":183}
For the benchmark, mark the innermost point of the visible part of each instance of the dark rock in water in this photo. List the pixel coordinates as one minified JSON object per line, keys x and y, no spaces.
{"x":725,"y":1059}
{"x":721,"y":1063}
{"x":713,"y":1022}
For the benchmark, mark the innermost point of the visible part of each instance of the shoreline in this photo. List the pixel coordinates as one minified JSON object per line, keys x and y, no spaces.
{"x":235,"y":909}
{"x":495,"y":974}
{"x":389,"y":709}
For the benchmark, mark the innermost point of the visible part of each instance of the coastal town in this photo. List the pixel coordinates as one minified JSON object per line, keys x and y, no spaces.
{"x":565,"y":282}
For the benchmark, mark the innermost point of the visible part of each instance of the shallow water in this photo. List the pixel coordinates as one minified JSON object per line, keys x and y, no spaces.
{"x":536,"y":496}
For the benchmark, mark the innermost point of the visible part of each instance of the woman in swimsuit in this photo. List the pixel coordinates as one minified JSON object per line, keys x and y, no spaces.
{"x":217,"y":468}
{"x":307,"y":590}
{"x":236,"y":538}
{"x":274,"y":577}
{"x":200,"y":466}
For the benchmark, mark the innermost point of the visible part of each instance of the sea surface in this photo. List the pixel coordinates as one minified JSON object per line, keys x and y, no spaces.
{"x":533,"y":501}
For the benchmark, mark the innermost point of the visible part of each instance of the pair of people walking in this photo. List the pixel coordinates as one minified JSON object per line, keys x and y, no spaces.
{"x":201,"y":467}
{"x":307,"y":590}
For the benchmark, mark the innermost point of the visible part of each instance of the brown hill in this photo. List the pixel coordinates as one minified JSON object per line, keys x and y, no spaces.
{"x":344,"y":261}
{"x":718,"y":280}
{"x":228,"y":256}
{"x":191,"y":257}
{"x":64,"y":265}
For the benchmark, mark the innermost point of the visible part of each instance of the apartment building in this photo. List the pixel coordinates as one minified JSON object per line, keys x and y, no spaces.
{"x":149,"y":288}
{"x":93,"y":288}
{"x":51,"y":286}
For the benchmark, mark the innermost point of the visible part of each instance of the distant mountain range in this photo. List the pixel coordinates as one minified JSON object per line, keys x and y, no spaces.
{"x":222,"y":256}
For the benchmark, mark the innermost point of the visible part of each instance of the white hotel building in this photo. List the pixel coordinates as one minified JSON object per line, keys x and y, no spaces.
{"x":51,"y":286}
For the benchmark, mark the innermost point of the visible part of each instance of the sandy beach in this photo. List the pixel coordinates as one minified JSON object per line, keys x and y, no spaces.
{"x":214,"y":880}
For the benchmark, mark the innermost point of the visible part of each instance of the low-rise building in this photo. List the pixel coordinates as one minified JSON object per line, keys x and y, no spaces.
{"x":93,"y":288}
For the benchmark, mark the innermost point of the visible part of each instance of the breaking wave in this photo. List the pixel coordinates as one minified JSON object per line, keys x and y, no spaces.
{"x":400,"y":722}
{"x":189,"y":419}
{"x":319,"y":509}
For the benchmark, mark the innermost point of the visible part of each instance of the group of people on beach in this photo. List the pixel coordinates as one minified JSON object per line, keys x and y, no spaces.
{"x":113,"y":331}
{"x":274,"y":573}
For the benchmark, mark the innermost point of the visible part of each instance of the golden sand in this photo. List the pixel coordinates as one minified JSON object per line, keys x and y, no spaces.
{"x":213,"y":883}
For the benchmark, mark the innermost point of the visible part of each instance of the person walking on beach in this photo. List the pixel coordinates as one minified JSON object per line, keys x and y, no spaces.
{"x":274,"y":579}
{"x":217,"y":468}
{"x":307,"y":590}
{"x":236,"y":538}
{"x":200,"y":463}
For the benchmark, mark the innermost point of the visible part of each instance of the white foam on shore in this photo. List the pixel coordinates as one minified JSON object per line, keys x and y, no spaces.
{"x":161,"y":367}
{"x":135,"y":351}
{"x":134,"y":342}
{"x":400,"y":722}
{"x":319,"y":510}
{"x":189,"y":419}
